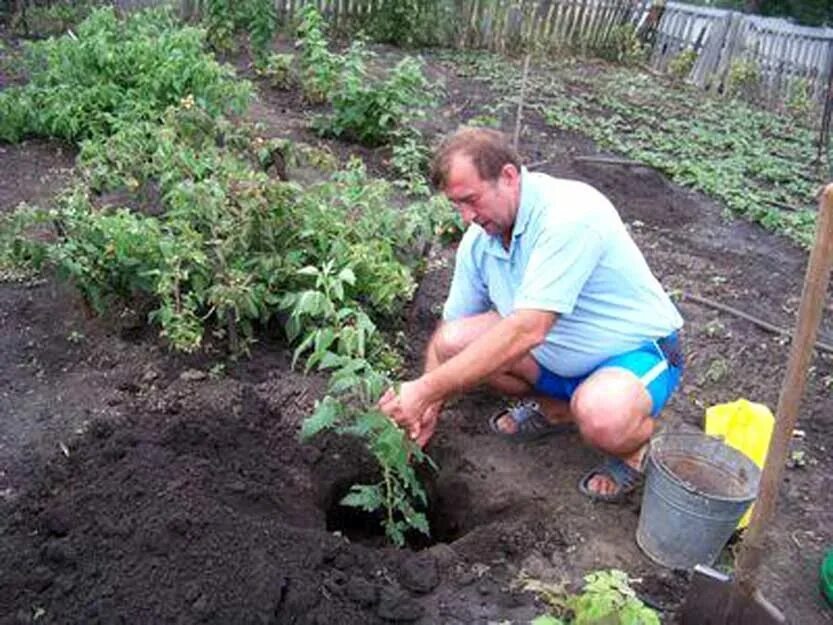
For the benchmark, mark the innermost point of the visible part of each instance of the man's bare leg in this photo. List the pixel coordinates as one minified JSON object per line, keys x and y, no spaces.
{"x":613,"y":412}
{"x":517,"y":381}
{"x":612,"y":407}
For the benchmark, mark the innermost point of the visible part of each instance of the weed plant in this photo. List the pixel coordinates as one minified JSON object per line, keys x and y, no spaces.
{"x":607,"y":597}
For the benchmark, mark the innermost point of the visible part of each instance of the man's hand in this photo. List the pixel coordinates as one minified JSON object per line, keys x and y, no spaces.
{"x":412,"y":409}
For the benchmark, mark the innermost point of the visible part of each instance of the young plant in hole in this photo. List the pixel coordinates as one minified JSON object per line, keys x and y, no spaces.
{"x":338,"y":336}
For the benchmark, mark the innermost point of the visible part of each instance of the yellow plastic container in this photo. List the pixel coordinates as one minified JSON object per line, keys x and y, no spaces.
{"x":747,"y":427}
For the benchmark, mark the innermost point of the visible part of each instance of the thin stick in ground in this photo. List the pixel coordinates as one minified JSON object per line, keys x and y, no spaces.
{"x":519,"y":115}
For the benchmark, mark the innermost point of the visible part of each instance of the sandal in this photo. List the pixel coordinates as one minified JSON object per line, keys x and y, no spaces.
{"x":626,"y":478}
{"x":530,"y":423}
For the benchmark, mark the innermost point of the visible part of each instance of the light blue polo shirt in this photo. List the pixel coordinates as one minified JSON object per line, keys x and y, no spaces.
{"x":571,"y":254}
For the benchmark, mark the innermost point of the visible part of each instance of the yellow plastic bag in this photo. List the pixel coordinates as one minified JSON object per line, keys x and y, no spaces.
{"x":747,"y":427}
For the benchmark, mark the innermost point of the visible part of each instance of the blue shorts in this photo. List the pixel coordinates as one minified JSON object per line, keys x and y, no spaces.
{"x":657,"y":364}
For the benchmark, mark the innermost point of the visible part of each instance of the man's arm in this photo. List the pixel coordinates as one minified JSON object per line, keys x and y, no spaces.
{"x":510,"y":339}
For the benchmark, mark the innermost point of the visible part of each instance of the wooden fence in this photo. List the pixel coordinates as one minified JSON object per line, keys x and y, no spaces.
{"x":784,"y":56}
{"x":577,"y":24}
{"x":507,"y":24}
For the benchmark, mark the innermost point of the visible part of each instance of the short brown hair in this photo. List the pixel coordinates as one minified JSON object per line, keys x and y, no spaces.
{"x":489,"y":150}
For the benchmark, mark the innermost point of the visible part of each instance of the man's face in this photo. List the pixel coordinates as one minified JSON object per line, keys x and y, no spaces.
{"x":491,"y":204}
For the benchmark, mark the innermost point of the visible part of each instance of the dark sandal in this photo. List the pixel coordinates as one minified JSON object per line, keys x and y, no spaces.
{"x":626,"y":478}
{"x":530,"y":424}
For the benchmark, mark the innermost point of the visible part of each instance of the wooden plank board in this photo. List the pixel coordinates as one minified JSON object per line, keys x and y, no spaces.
{"x":707,"y":61}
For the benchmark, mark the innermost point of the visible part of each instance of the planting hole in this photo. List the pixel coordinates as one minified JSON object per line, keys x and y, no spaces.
{"x":446,"y":514}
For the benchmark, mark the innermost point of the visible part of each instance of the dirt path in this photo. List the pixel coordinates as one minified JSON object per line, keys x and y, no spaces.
{"x":137,"y":488}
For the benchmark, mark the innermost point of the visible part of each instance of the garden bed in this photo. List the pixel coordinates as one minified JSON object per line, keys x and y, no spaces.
{"x":141,"y":486}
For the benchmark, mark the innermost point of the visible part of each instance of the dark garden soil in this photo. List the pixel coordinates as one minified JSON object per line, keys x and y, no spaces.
{"x":138,"y":486}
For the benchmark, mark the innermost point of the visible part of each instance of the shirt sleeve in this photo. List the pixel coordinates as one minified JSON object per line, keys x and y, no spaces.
{"x":468,"y":294}
{"x":559,"y":265}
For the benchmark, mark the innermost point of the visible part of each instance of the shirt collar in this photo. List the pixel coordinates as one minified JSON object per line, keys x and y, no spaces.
{"x":522,"y":218}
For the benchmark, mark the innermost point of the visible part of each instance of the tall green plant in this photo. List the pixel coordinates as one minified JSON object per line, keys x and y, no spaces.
{"x":219,"y":19}
{"x":371,"y":111}
{"x":261,"y":23}
{"x":320,"y":68}
{"x":412,"y":22}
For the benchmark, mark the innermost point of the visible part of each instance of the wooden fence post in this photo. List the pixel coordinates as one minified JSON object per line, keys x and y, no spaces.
{"x":727,"y":53}
{"x":824,"y":134}
{"x":707,"y":62}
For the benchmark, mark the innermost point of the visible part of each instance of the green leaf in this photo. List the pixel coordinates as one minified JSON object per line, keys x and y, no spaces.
{"x":293,"y":328}
{"x":343,"y":383}
{"x":323,"y":339}
{"x":419,"y":522}
{"x":332,"y":361}
{"x":304,"y":346}
{"x":347,"y":275}
{"x":326,"y":415}
{"x":546,"y":619}
{"x":309,"y":270}
{"x":367,"y":497}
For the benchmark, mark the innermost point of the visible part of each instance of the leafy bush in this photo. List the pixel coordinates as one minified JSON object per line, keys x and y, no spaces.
{"x":411,"y":22}
{"x":229,"y":239}
{"x":258,"y":18}
{"x":278,"y":70}
{"x":107,"y":255}
{"x":744,"y":78}
{"x":341,"y":338}
{"x":114,"y":73}
{"x":371,"y":111}
{"x":623,"y":45}
{"x":220,"y":20}
{"x":409,"y":159}
{"x":799,"y":97}
{"x":261,"y":21}
{"x":364,"y":109}
{"x":681,"y":65}
{"x":24,"y":241}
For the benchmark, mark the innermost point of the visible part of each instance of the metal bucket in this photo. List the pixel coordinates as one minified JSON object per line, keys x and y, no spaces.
{"x":696,"y":491}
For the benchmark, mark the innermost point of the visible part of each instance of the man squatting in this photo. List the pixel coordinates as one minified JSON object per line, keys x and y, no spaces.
{"x":551,"y":301}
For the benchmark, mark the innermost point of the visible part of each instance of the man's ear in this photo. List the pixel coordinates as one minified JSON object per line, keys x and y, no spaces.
{"x":509,"y":174}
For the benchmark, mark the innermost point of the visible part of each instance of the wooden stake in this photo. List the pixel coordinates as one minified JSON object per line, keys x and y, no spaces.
{"x":611,"y":160}
{"x":519,"y":116}
{"x":809,"y":316}
{"x":766,"y":325}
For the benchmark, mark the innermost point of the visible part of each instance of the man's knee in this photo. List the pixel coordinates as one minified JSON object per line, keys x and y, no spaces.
{"x":447,"y":340}
{"x":609,"y":408}
{"x":598,"y":427}
{"x":452,"y":337}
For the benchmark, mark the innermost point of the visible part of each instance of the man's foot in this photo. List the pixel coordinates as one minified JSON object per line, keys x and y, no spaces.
{"x":527,"y":422}
{"x":612,"y":480}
